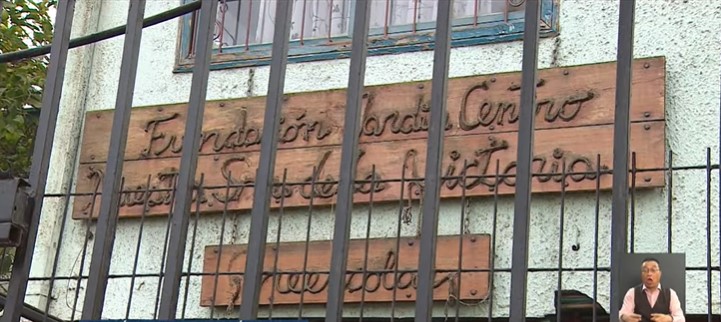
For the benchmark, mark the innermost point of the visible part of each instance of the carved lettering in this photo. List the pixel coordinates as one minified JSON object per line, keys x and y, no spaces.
{"x":356,"y":281}
{"x":388,"y":272}
{"x":486,"y":113}
{"x":573,"y":126}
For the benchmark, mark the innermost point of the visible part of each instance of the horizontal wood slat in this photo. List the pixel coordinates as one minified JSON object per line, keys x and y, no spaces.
{"x":577,"y":147}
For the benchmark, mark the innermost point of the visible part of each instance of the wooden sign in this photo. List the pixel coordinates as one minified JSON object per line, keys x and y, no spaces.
{"x":574,"y":124}
{"x":382,"y":274}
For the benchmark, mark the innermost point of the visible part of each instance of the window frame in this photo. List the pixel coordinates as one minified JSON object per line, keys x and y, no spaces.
{"x":489,"y":29}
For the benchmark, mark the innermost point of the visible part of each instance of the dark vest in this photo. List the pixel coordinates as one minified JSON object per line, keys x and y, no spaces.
{"x":643,"y":308}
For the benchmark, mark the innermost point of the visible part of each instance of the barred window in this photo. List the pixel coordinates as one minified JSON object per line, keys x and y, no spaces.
{"x":244,"y":28}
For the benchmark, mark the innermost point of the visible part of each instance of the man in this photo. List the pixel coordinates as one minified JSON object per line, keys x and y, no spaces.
{"x":649,"y":302}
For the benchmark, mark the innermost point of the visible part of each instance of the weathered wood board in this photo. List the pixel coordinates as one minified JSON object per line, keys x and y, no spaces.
{"x":577,"y":147}
{"x":479,"y":104}
{"x":574,"y":125}
{"x":378,"y":286}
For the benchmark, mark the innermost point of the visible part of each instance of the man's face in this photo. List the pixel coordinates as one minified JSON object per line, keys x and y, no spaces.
{"x":650,"y":274}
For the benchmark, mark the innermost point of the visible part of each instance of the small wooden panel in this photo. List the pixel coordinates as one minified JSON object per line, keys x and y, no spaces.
{"x":567,"y":97}
{"x":378,"y":286}
{"x":577,"y":148}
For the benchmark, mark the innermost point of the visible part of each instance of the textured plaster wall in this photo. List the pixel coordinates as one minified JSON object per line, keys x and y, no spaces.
{"x":685,"y":32}
{"x":64,"y":151}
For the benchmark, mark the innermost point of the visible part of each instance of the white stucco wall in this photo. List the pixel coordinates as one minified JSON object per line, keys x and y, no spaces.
{"x":685,"y":32}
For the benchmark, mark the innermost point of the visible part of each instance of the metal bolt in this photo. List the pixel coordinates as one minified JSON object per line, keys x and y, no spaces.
{"x":473,"y":239}
{"x":92,"y":157}
{"x":492,"y":127}
{"x":565,"y":72}
{"x":421,"y":86}
{"x":474,"y":292}
{"x":215,"y":250}
{"x":493,"y":80}
{"x":410,"y":243}
{"x":216,"y":157}
{"x":647,"y":179}
{"x":646,"y":65}
{"x":647,"y":127}
{"x":98,"y":116}
{"x":160,"y":109}
{"x":222,"y":104}
{"x":210,"y":204}
{"x":647,"y":114}
{"x":408,"y":295}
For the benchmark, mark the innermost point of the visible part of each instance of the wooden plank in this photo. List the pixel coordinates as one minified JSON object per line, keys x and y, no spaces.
{"x":577,"y":147}
{"x":568,"y":97}
{"x":380,"y":283}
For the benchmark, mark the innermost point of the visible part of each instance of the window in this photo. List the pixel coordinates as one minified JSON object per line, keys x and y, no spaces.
{"x":321,"y":29}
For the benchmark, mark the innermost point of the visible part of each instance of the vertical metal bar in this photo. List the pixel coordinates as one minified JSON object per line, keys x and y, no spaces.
{"x":619,"y":207}
{"x":186,"y":179}
{"x":463,"y":229}
{"x":110,"y":198}
{"x":709,"y":281}
{"x":198,"y":201}
{"x":433,"y":179}
{"x":496,"y":186}
{"x":330,"y":21}
{"x":250,"y":20}
{"x":156,"y":306}
{"x":309,"y":225}
{"x":387,"y":21}
{"x":44,"y":139}
{"x":84,"y":253}
{"x":632,"y":217}
{"x":475,"y":12}
{"x":237,"y":25}
{"x":506,"y":10}
{"x":146,"y":201}
{"x":348,"y":162}
{"x":597,"y":212}
{"x":669,"y":202}
{"x":264,"y":176}
{"x":302,"y":23}
{"x":562,"y":220}
{"x":396,"y":253}
{"x":369,"y":222}
{"x":220,"y":244}
{"x":221,"y":28}
{"x":522,"y":203}
{"x":281,"y":213}
{"x":262,"y":25}
{"x":415,"y":16}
